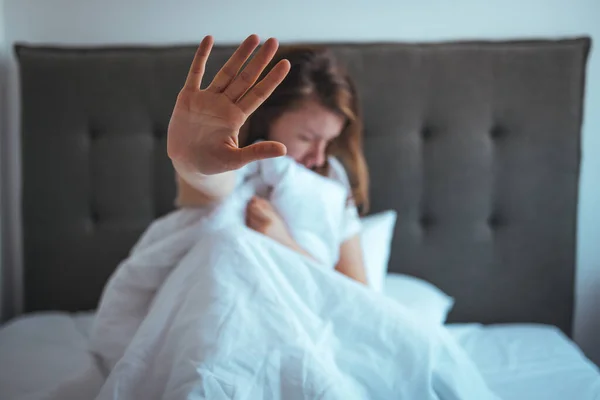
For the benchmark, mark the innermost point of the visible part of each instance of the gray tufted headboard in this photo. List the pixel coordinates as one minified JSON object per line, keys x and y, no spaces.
{"x":476,"y":145}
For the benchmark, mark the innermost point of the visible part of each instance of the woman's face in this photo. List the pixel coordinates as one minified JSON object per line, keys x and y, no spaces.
{"x":306,"y":131}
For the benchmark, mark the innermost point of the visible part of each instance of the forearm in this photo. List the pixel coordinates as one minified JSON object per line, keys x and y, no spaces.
{"x":351,"y":261}
{"x":296,"y":247}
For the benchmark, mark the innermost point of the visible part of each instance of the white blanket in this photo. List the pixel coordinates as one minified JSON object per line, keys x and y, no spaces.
{"x":205,"y":308}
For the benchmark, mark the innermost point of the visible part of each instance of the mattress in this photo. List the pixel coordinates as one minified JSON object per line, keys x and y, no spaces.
{"x":520,"y":362}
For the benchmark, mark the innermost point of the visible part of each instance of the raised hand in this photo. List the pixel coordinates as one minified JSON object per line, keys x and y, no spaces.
{"x":204,"y":127}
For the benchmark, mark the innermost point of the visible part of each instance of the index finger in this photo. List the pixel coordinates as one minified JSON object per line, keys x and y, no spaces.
{"x":196,"y":72}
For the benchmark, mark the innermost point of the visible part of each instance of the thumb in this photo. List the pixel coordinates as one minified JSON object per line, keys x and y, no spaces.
{"x":260,"y":151}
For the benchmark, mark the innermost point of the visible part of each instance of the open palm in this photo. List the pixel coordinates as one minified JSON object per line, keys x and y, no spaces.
{"x":204,"y":127}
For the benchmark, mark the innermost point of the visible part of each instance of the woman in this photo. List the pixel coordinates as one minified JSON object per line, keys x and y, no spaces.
{"x":215,"y":316}
{"x":309,"y":110}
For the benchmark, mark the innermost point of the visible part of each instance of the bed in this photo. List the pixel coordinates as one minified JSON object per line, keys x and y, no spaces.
{"x":518,"y":361}
{"x":475,"y":145}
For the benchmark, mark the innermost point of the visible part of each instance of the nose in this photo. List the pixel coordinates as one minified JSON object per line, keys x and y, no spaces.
{"x":317,"y":155}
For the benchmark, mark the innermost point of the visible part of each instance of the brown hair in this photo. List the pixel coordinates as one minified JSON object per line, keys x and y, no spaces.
{"x":315,"y":74}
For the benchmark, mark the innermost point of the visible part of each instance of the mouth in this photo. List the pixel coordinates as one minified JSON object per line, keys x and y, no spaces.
{"x":309,"y":165}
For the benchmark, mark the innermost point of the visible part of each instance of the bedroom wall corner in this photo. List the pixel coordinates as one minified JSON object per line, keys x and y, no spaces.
{"x":3,"y":133}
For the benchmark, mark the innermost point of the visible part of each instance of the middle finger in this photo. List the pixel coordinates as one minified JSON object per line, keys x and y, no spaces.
{"x":248,"y":76}
{"x":233,"y":65}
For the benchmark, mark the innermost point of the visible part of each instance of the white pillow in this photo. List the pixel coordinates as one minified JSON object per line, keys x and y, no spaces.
{"x":311,"y":205}
{"x":429,"y":302}
{"x":376,"y":236}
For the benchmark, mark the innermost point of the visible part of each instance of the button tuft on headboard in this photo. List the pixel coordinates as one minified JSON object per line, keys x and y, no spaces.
{"x":94,"y":216}
{"x":498,"y":131}
{"x":427,"y":132}
{"x":94,"y":131}
{"x":426,"y":221}
{"x":158,"y":211}
{"x":495,"y":221}
{"x":159,"y":131}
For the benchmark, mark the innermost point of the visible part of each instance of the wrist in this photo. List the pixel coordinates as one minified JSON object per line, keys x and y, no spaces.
{"x":288,"y":241}
{"x":215,"y":186}
{"x":292,"y":244}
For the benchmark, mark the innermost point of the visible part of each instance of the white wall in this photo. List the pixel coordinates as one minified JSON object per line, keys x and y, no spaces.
{"x":3,"y":124}
{"x":176,"y":21}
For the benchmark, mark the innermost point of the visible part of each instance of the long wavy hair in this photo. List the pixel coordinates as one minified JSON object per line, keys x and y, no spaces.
{"x":315,"y":74}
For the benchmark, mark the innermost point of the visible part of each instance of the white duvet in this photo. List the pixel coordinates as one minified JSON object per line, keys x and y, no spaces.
{"x":205,"y":308}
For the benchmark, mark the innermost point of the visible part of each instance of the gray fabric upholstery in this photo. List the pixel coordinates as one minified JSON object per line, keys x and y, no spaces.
{"x":476,"y":145}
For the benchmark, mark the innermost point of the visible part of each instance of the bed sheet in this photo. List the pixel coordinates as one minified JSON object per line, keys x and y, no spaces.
{"x":38,"y":352}
{"x":529,"y":361}
{"x":519,"y":361}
